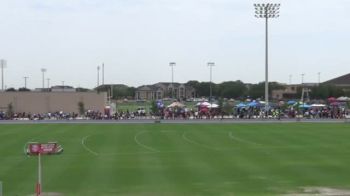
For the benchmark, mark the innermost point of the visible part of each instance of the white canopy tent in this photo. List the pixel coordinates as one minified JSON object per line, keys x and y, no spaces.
{"x":343,"y":99}
{"x":318,"y":105}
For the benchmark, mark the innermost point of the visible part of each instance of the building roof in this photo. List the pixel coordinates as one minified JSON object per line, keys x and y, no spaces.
{"x":147,"y":88}
{"x":342,"y":80}
{"x":176,"y":84}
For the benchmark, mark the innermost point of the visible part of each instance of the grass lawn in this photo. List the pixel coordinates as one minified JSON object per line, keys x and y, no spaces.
{"x":165,"y":159}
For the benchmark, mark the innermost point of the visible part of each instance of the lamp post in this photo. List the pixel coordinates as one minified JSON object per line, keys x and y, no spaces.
{"x":210,"y":64}
{"x":25,"y":81}
{"x":319,"y":77}
{"x":172,"y":64}
{"x":43,"y":70}
{"x":266,"y":11}
{"x":3,"y":65}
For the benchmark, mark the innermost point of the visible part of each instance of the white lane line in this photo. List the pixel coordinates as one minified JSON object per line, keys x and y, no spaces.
{"x":196,"y":143}
{"x":230,"y":134}
{"x":143,"y":145}
{"x":86,"y":147}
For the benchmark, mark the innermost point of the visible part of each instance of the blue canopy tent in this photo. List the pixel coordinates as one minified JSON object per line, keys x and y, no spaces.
{"x":253,"y":104}
{"x":291,"y":102}
{"x":241,"y":105}
{"x":305,"y":106}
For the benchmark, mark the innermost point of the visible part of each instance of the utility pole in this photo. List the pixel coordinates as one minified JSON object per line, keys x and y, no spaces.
{"x":3,"y":65}
{"x":266,"y":11}
{"x":25,"y":81}
{"x":98,"y":76}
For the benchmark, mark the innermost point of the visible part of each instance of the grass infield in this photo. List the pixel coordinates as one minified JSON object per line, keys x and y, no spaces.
{"x":165,"y":159}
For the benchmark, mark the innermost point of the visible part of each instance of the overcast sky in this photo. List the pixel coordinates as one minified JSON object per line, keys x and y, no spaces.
{"x":136,"y":40}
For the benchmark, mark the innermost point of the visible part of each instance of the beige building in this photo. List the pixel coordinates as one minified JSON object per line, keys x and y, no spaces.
{"x":289,"y":91}
{"x":43,"y":102}
{"x":164,"y":90}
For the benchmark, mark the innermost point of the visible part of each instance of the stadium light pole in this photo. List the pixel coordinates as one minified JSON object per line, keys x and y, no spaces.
{"x":25,"y":81}
{"x":43,"y":70}
{"x":3,"y":65}
{"x":266,"y":11}
{"x":98,"y":76}
{"x":103,"y":73}
{"x":210,"y":64}
{"x":172,"y":64}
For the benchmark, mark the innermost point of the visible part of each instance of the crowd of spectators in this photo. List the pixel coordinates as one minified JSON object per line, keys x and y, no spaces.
{"x":314,"y":113}
{"x":328,"y":112}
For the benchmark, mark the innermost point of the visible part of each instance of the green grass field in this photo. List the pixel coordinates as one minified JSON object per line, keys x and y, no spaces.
{"x":165,"y":159}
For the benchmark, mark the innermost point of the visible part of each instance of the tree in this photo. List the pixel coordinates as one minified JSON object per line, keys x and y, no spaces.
{"x":154,"y":108}
{"x":81,"y":108}
{"x":193,"y":83}
{"x":10,"y":89}
{"x":203,"y":89}
{"x":23,"y":89}
{"x":323,"y":91}
{"x":232,"y":89}
{"x":131,"y":91}
{"x":258,"y":90}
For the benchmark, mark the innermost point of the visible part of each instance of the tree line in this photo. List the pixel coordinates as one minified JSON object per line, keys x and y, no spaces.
{"x":238,"y":90}
{"x":229,"y":89}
